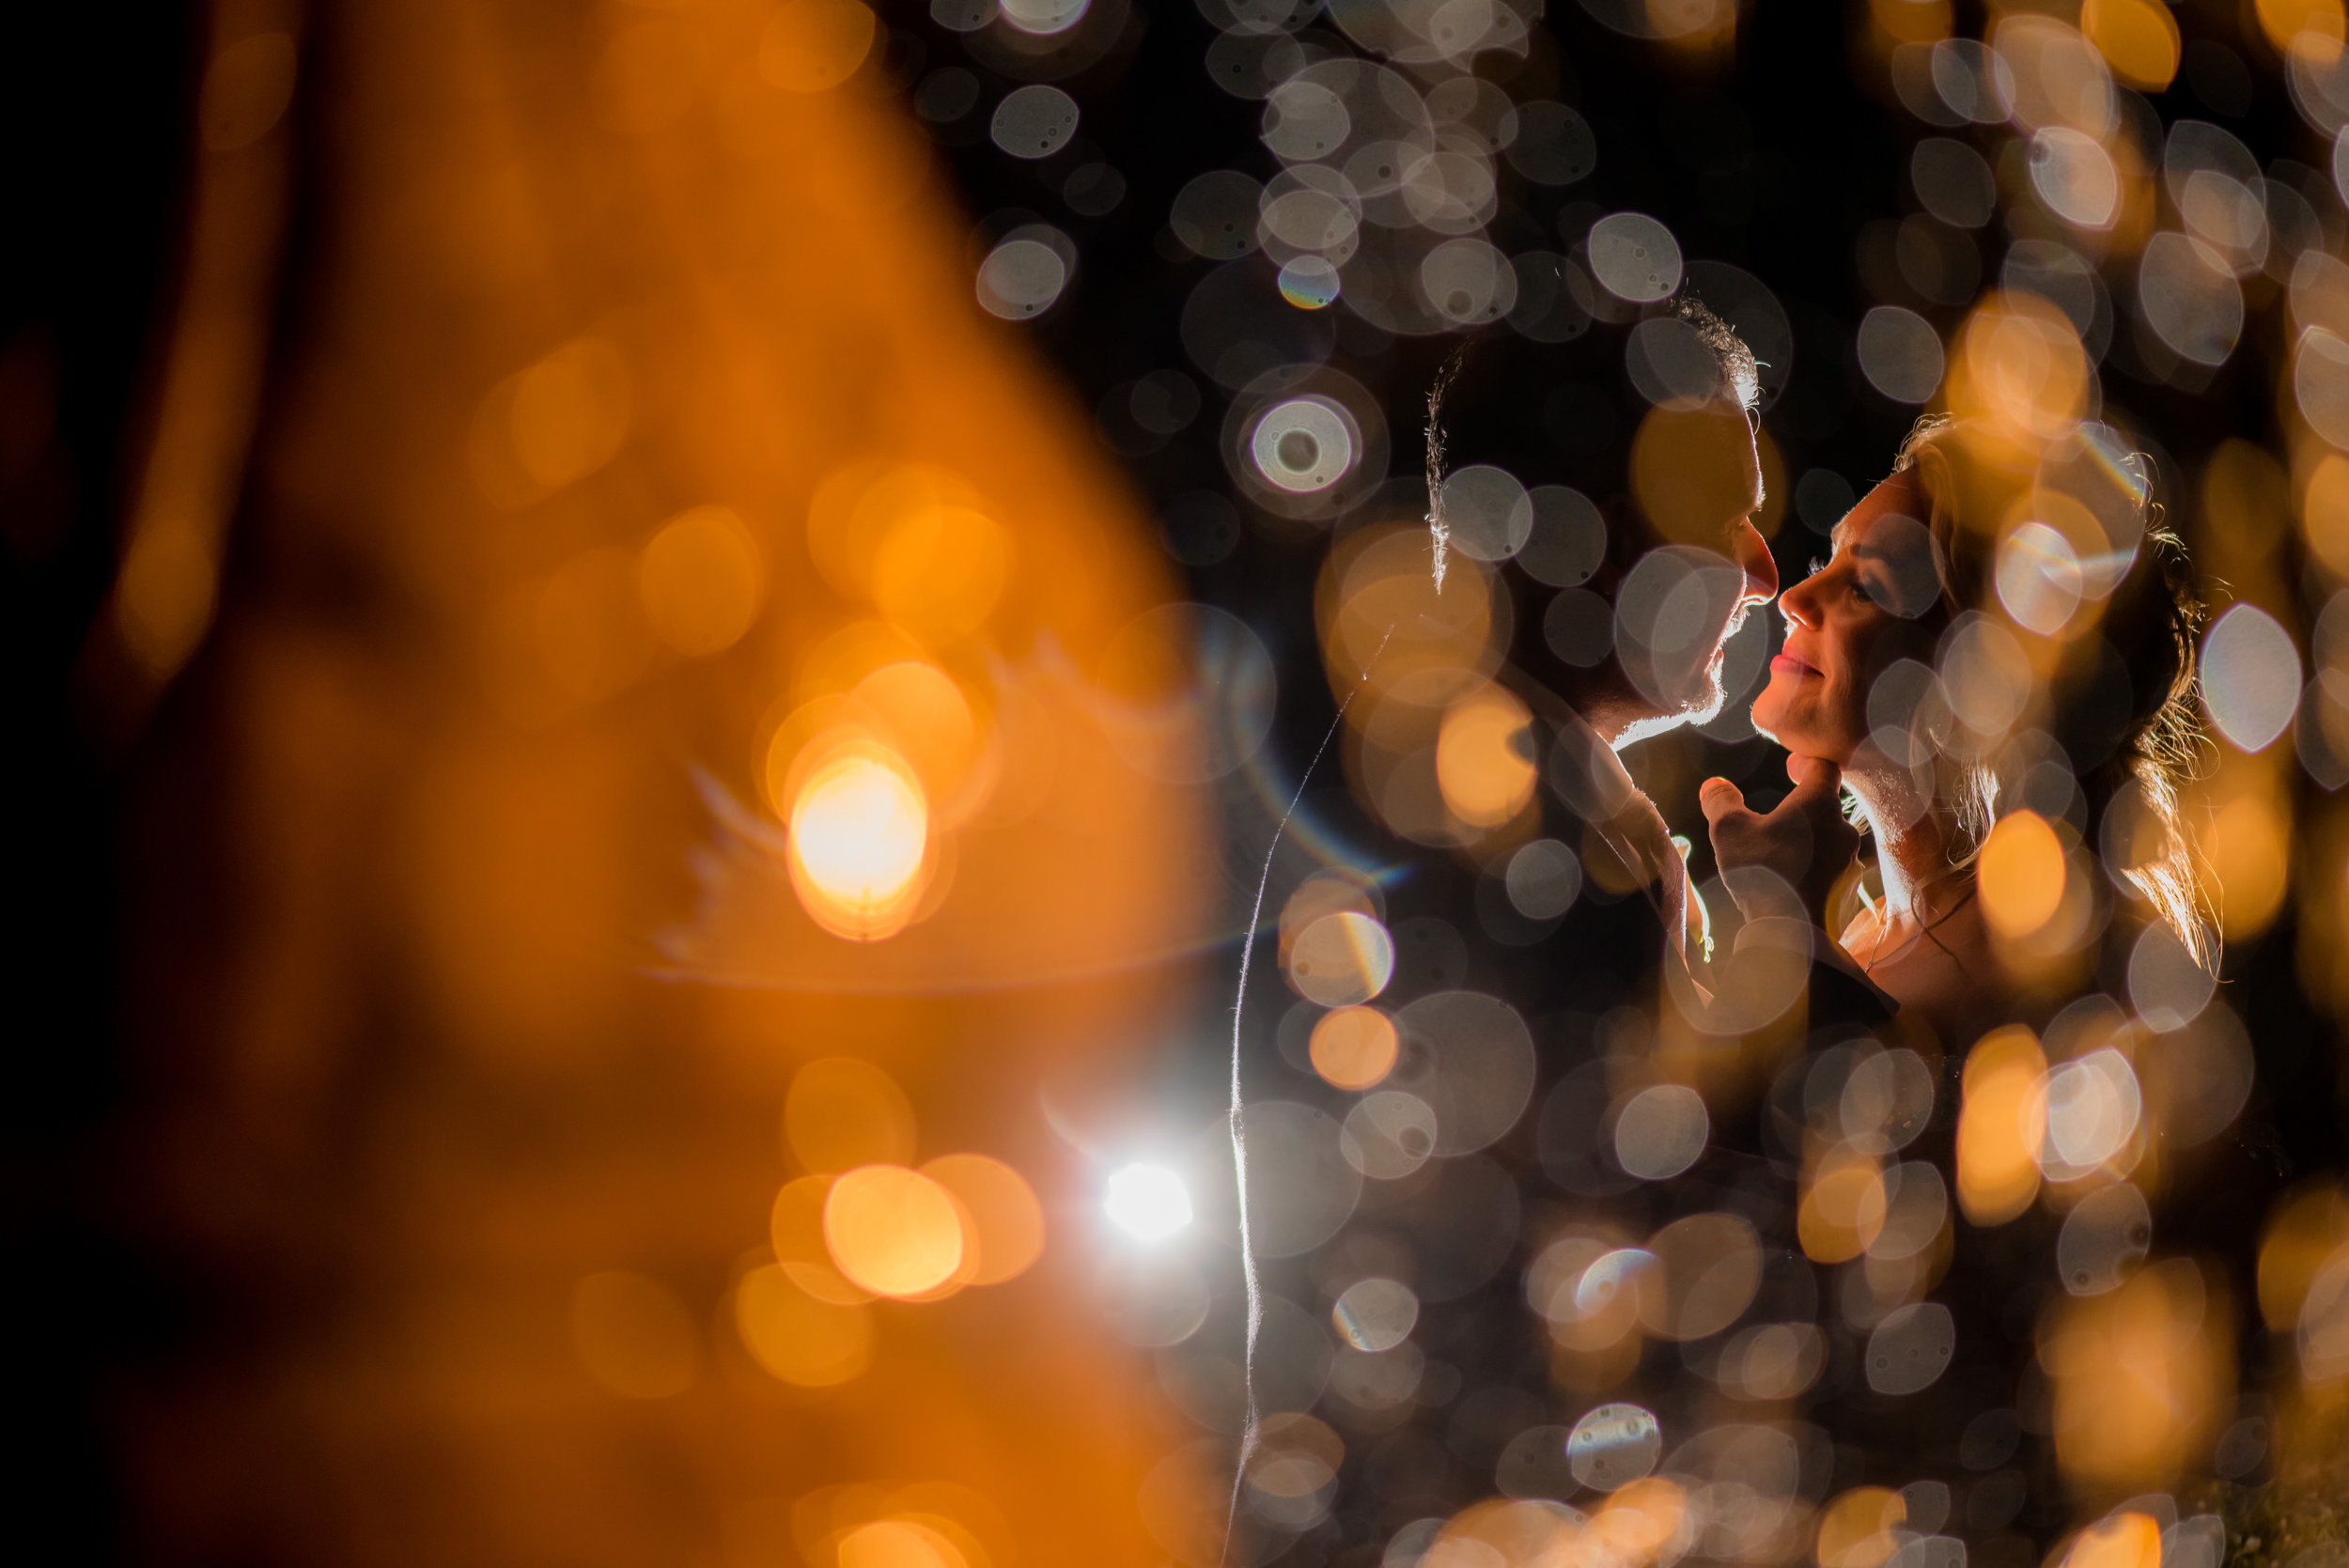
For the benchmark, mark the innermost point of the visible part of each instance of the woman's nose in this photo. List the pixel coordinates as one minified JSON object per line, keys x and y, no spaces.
{"x":1798,"y":605}
{"x":1753,"y":554}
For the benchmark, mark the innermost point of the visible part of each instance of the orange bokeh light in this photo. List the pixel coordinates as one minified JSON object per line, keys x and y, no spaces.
{"x":899,"y":1543}
{"x":702,"y":579}
{"x":796,"y":1337}
{"x":1484,"y":757}
{"x":1843,"y":1206}
{"x":1353,"y":1047}
{"x":1855,"y":1529}
{"x":2137,"y":39}
{"x":2017,"y":365}
{"x":1005,"y":1223}
{"x":2000,"y":1126}
{"x":860,"y":836}
{"x":843,"y":1112}
{"x":892,"y":1231}
{"x":2021,"y":875}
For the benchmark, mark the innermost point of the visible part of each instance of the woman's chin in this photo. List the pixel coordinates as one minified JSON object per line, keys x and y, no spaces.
{"x":1778,"y":722}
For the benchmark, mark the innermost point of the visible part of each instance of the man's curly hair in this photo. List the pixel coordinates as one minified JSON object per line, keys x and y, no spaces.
{"x":1741,"y":377}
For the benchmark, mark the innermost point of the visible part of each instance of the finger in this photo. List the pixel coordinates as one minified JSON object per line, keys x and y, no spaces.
{"x":1718,"y":798}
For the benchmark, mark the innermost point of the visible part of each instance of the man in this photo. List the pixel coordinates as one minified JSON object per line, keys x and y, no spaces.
{"x":1524,"y":1255}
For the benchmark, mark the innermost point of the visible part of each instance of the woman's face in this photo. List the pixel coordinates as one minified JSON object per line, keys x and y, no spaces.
{"x":1875,"y":601}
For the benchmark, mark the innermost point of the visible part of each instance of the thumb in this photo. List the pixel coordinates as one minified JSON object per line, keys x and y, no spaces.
{"x":1718,"y":798}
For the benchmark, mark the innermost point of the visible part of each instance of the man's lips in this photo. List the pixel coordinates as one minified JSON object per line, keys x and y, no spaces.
{"x":1791,"y":665}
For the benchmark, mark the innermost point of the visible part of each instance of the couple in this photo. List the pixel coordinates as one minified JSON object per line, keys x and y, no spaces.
{"x":1507,"y":1347}
{"x":1914,"y":563}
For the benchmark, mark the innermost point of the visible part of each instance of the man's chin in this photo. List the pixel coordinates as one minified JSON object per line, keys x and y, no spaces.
{"x":1704,"y":705}
{"x":1700,"y":707}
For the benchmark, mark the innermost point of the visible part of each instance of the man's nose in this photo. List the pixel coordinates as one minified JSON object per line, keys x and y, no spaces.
{"x":1753,"y":554}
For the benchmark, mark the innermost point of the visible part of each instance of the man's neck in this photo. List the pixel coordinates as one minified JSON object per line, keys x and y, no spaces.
{"x":1593,"y":702}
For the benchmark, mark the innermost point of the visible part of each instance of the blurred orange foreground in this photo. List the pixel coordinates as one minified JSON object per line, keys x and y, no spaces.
{"x":610,"y":624}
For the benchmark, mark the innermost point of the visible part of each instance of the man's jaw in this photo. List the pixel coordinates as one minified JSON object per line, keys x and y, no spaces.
{"x":1701,"y":706}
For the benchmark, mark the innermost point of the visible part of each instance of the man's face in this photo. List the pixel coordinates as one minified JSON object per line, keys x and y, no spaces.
{"x":1698,"y":478}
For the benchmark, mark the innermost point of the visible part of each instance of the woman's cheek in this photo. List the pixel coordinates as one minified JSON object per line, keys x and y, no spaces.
{"x":1847,"y":718}
{"x":1773,"y":706}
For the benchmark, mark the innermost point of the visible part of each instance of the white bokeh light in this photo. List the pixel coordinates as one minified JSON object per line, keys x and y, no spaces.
{"x":1147,"y":1200}
{"x":2251,"y":676}
{"x":2039,"y":577}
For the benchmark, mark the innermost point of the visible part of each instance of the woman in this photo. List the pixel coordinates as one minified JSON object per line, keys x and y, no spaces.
{"x":1957,"y":588}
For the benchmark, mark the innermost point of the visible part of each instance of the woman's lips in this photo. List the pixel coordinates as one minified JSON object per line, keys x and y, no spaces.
{"x":1791,"y":665}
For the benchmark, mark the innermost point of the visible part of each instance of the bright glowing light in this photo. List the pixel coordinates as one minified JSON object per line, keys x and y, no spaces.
{"x":860,"y":829}
{"x":894,"y":1232}
{"x":1149,"y":1200}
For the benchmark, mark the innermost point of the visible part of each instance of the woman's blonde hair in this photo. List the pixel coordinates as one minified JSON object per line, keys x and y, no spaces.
{"x":2153,"y":618}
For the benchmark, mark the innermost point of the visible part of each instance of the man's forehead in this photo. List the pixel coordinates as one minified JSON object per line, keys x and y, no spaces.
{"x":1695,"y":471}
{"x":1755,"y":488}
